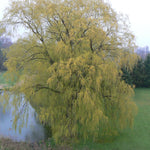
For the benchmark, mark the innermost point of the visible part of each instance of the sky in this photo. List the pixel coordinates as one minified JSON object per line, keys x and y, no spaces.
{"x":3,"y":4}
{"x":137,"y":10}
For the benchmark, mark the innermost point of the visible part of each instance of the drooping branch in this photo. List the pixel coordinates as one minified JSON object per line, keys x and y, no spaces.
{"x":38,"y":87}
{"x":34,"y":29}
{"x":91,"y":45}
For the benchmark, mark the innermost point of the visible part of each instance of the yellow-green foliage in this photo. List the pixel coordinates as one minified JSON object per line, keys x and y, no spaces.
{"x":68,"y":65}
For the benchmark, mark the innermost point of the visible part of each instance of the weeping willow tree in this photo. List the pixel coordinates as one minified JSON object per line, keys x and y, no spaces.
{"x":68,"y":66}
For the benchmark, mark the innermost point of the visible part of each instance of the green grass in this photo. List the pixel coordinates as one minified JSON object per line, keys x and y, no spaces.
{"x":4,"y":81}
{"x":2,"y":78}
{"x":136,"y":139}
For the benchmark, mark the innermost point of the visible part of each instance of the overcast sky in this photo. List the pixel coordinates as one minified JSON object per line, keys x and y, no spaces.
{"x":137,"y":10}
{"x":3,"y":4}
{"x":139,"y":16}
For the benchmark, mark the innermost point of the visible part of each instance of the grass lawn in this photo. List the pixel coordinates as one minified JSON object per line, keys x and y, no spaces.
{"x":136,"y":139}
{"x":2,"y":78}
{"x":4,"y":82}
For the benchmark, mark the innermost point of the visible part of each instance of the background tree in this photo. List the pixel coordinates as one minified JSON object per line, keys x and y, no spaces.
{"x":4,"y":43}
{"x":147,"y":71}
{"x":126,"y":75}
{"x":69,"y":66}
{"x":138,"y":74}
{"x":2,"y":60}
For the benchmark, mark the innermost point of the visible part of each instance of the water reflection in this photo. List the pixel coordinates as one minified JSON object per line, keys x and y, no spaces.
{"x":34,"y":131}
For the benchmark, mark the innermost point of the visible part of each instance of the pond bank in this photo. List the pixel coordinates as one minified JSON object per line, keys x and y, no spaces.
{"x":8,"y":144}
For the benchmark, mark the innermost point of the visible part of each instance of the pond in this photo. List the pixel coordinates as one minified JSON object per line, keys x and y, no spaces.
{"x":31,"y":132}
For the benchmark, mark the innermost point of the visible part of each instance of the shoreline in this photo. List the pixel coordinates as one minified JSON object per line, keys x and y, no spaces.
{"x":6,"y":143}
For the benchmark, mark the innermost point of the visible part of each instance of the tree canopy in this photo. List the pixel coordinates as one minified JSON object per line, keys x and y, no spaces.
{"x":68,"y":65}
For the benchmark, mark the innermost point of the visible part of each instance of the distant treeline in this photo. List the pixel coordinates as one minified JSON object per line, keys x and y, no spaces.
{"x":4,"y":43}
{"x":140,"y":76}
